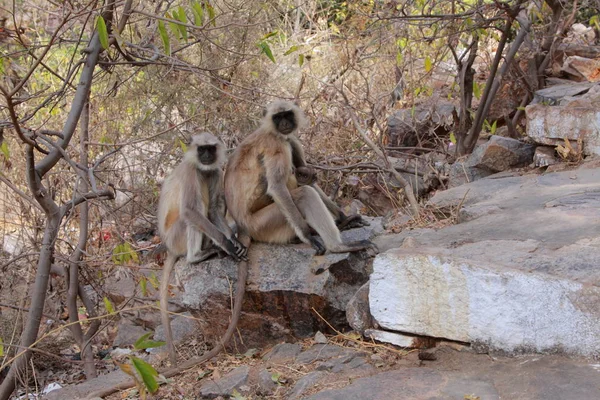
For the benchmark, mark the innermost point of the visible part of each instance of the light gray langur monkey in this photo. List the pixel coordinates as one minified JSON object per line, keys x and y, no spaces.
{"x":191,"y":214}
{"x":262,"y":192}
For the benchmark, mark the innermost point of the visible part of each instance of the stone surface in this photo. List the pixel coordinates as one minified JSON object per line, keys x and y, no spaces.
{"x":282,"y":290}
{"x":305,"y":383}
{"x":582,"y":68}
{"x":397,"y":339}
{"x":550,"y":125}
{"x":266,"y":385}
{"x":446,"y":297}
{"x":407,"y":125}
{"x":544,"y":156}
{"x":462,"y":172}
{"x":82,"y":390}
{"x":322,"y":352}
{"x":182,"y":326}
{"x":554,"y":95}
{"x":519,"y":275}
{"x":128,"y":333}
{"x":225,"y":386}
{"x":501,"y":153}
{"x":282,"y":353}
{"x":358,"y":313}
{"x":531,"y":378}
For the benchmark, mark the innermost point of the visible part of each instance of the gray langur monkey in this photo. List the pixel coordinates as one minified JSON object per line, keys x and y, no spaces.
{"x":262,"y":191}
{"x":191,"y":214}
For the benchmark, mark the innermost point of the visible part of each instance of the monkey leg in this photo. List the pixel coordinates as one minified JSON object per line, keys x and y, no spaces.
{"x":343,"y":221}
{"x":194,"y":245}
{"x":270,"y":225}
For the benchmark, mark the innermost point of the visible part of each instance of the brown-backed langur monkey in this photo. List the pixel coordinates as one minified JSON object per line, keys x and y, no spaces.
{"x":191,"y":213}
{"x":263,"y":195}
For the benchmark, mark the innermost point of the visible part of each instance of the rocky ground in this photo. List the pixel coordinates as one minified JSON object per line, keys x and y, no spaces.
{"x":345,"y":370}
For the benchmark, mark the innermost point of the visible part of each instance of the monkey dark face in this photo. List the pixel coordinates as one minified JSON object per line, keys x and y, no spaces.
{"x":285,"y":122}
{"x":207,"y":154}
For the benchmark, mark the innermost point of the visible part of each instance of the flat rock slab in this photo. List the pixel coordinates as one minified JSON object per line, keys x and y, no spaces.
{"x":227,"y":384}
{"x":83,"y":390}
{"x":529,"y":379}
{"x":520,"y":274}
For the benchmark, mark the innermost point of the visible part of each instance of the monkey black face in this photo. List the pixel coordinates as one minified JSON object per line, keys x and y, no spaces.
{"x":207,"y":155}
{"x":285,"y":122}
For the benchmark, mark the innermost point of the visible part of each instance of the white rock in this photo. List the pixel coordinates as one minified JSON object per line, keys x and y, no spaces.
{"x":509,"y":310}
{"x":550,"y":125}
{"x":394,"y":338}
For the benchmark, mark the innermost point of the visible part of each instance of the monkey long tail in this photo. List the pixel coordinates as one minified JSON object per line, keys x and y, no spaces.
{"x":164,"y":305}
{"x":237,"y":310}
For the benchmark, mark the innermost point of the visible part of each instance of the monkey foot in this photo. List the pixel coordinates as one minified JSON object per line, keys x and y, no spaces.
{"x":351,"y":222}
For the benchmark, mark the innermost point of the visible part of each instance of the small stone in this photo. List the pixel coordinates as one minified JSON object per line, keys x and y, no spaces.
{"x":283,"y":352}
{"x":128,"y":333}
{"x":544,"y":156}
{"x":266,"y":385}
{"x":182,"y":326}
{"x":320,"y":338}
{"x":225,"y":386}
{"x":306,"y":382}
{"x":321,"y":352}
{"x":427,"y":354}
{"x":500,"y":153}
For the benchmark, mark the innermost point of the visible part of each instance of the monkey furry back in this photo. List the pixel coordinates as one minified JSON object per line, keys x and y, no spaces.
{"x":169,"y":205}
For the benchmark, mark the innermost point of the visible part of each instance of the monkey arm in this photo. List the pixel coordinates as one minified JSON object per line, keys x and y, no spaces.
{"x":203,"y":224}
{"x":298,"y":158}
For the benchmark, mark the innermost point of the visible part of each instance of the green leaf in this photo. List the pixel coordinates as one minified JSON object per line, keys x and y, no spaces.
{"x":204,"y":373}
{"x":2,"y":66}
{"x":144,"y":286}
{"x":427,"y":64}
{"x":183,"y":18}
{"x":521,"y":108}
{"x":211,"y":13}
{"x":237,"y":395}
{"x":102,"y":31}
{"x":147,"y":372}
{"x":164,"y":37}
{"x":301,"y":59}
{"x":275,"y":376}
{"x":270,"y":34}
{"x":1,"y":348}
{"x":172,"y":25}
{"x":182,"y":145}
{"x":399,"y":58}
{"x":493,"y":128}
{"x":401,"y":43}
{"x":108,"y":305}
{"x":452,"y":137}
{"x":154,"y":280}
{"x":476,"y":90}
{"x":198,"y":13}
{"x":144,"y":343}
{"x":264,"y":47}
{"x":291,"y":50}
{"x":124,"y":253}
{"x":5,"y":151}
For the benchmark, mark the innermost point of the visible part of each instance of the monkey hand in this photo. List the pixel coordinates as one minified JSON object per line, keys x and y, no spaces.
{"x":305,"y":175}
{"x":319,"y":248}
{"x":236,"y":249}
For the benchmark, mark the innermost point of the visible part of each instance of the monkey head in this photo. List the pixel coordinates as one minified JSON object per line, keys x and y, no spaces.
{"x":283,"y":117}
{"x":206,"y":151}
